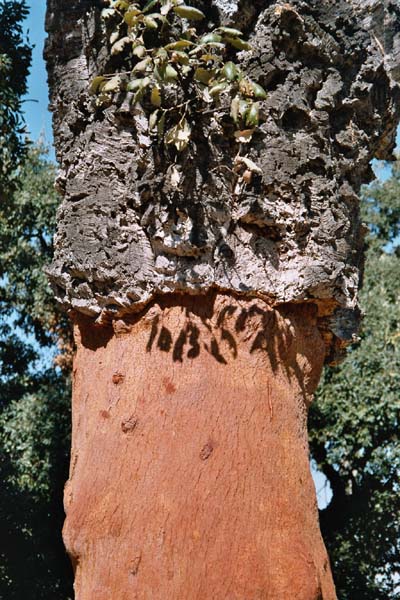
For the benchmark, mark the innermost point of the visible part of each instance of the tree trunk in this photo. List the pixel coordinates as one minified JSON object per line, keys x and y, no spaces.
{"x":190,"y":472}
{"x":206,"y":303}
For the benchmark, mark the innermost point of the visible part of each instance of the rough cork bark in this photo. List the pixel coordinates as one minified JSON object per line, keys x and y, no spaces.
{"x":204,"y":311}
{"x":126,"y":235}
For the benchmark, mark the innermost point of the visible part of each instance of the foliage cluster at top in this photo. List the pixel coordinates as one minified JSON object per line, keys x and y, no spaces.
{"x":177,"y":71}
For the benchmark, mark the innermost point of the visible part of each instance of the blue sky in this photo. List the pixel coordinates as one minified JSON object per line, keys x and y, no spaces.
{"x":37,"y":115}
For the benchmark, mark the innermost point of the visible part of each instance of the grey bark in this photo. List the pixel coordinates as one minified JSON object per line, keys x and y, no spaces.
{"x":294,"y":234}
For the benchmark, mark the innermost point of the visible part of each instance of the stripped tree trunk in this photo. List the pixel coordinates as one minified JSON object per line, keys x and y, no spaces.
{"x":204,"y":312}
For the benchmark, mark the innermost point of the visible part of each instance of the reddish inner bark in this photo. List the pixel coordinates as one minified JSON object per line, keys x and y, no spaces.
{"x":190,"y":471}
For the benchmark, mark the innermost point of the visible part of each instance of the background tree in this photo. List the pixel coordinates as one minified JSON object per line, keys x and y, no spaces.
{"x":15,"y":58}
{"x":355,"y":421}
{"x":34,"y":393}
{"x":34,"y":421}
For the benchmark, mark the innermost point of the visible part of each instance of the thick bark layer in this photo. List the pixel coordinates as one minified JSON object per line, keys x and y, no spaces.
{"x":381,"y":18}
{"x":190,"y":471}
{"x":127,"y":233}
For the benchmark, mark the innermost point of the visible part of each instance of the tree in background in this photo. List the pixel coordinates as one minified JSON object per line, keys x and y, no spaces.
{"x":355,"y":421}
{"x":15,"y":58}
{"x":34,"y":394}
{"x":34,"y":421}
{"x":34,"y":415}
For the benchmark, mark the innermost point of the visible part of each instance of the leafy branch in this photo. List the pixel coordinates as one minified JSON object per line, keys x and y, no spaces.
{"x":174,"y":73}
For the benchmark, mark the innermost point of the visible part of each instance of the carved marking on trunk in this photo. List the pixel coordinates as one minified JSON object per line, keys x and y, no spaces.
{"x":206,"y":451}
{"x":135,"y":564}
{"x":169,"y":386}
{"x":118,"y":378}
{"x":271,"y":408}
{"x":129,"y":425}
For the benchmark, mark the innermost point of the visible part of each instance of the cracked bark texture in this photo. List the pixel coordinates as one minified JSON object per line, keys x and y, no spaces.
{"x":127,"y":235}
{"x":203,"y":312}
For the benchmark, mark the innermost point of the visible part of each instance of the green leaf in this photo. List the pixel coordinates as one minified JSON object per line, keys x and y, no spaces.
{"x":120,"y":45}
{"x":132,"y":15}
{"x":153,"y":120}
{"x":143,"y":64}
{"x":252,"y":115}
{"x":210,"y":38}
{"x":139,"y":51}
{"x":159,"y":72}
{"x":146,"y":82}
{"x":243,"y":107}
{"x":210,"y":57}
{"x":150,"y":23}
{"x":230,"y":71}
{"x":95,"y":84}
{"x":170,"y":72}
{"x":231,"y":32}
{"x":238,"y":43}
{"x":113,"y":85}
{"x":138,"y":97}
{"x":180,"y":57}
{"x":162,"y":53}
{"x":156,"y":16}
{"x":155,"y":96}
{"x":217,"y":89}
{"x":121,"y":4}
{"x":259,"y":91}
{"x":179,"y":45}
{"x":203,"y":75}
{"x":150,"y":5}
{"x":179,"y":135}
{"x":134,"y":85}
{"x":138,"y":84}
{"x":188,"y":12}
